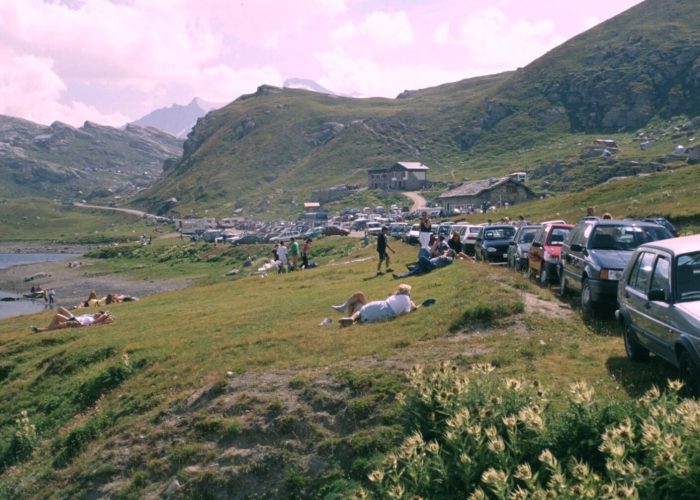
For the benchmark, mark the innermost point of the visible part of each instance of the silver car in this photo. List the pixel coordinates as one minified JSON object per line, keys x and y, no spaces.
{"x":659,"y":305}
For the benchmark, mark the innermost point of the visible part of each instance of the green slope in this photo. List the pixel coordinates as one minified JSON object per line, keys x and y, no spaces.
{"x":268,"y":151}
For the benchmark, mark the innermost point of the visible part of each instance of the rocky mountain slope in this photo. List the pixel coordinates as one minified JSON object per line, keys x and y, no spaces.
{"x":274,"y":147}
{"x":61,"y":161}
{"x":176,"y":119}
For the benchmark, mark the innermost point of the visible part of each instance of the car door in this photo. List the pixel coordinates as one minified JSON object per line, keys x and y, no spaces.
{"x":638,"y":305}
{"x":574,"y":262}
{"x":660,"y":312}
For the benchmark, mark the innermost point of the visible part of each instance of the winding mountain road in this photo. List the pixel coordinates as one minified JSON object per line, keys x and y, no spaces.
{"x":130,"y":211}
{"x":416,"y":198}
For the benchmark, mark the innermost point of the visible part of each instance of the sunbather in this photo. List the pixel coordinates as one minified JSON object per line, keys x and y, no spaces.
{"x":360,"y":310}
{"x":65,"y":319}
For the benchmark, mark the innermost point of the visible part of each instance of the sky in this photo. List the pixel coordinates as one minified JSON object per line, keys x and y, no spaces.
{"x":114,"y":61}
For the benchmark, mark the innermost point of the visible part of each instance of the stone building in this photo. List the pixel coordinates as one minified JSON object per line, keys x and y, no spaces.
{"x":485,"y":193}
{"x":403,"y":176}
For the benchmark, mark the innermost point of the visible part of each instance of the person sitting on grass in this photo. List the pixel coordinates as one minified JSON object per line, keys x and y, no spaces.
{"x":65,"y":319}
{"x":360,"y":310}
{"x":425,"y":264}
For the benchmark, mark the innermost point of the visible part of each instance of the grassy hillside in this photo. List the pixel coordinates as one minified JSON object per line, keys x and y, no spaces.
{"x":233,"y":389}
{"x":39,"y":219}
{"x":627,"y":79}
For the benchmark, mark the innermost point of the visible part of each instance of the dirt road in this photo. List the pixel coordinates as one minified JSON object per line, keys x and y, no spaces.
{"x":130,"y":211}
{"x":416,"y":198}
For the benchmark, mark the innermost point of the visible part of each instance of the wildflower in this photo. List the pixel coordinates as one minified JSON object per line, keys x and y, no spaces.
{"x":397,"y":491}
{"x":465,"y":459}
{"x":509,"y":421}
{"x":607,"y":489}
{"x":474,"y":430}
{"x":625,"y":491}
{"x":675,"y":385}
{"x":496,"y":445}
{"x":482,"y":368}
{"x":557,"y":481}
{"x":491,"y":432}
{"x":651,"y":433}
{"x":376,"y":476}
{"x":547,"y":458}
{"x":581,"y":393}
{"x":580,"y":469}
{"x":518,"y":494}
{"x":496,"y":400}
{"x":493,"y":477}
{"x":513,"y":384}
{"x":433,"y":447}
{"x":392,"y":460}
{"x":523,"y":472}
{"x":126,"y":361}
{"x":444,"y":365}
{"x":401,"y":398}
{"x":361,"y":493}
{"x":477,"y":494}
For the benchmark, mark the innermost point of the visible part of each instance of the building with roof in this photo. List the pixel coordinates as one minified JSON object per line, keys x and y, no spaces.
{"x":485,"y":193}
{"x":403,"y":176}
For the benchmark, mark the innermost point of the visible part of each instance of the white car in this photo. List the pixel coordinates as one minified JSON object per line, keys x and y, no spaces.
{"x":374,"y":228}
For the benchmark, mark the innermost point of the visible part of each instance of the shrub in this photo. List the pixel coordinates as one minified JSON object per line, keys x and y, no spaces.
{"x":21,"y":444}
{"x":476,"y":436}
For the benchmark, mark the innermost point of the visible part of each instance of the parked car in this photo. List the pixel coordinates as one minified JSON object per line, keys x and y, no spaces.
{"x":469,"y":239}
{"x":335,"y":231}
{"x":398,"y":229}
{"x":519,"y":247}
{"x":492,"y":242}
{"x":250,"y":239}
{"x":543,"y":257}
{"x":662,"y":221}
{"x":659,"y":305}
{"x":595,"y":254}
{"x":374,"y":228}
{"x":444,"y":228}
{"x":314,"y":232}
{"x":411,"y":237}
{"x":286,"y":236}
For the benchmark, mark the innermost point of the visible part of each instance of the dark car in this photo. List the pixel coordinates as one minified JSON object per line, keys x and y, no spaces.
{"x":492,"y":242}
{"x":335,"y":231}
{"x":251,"y":239}
{"x":519,"y":247}
{"x":596,"y":252}
{"x":659,"y":305}
{"x":543,"y":257}
{"x":662,"y":221}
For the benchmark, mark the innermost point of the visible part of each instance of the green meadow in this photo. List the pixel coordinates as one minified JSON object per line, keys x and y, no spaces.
{"x":162,"y":393}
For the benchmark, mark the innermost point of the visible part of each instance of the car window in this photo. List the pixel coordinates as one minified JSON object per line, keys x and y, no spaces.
{"x":558,"y":235}
{"x":659,"y":280}
{"x":688,"y":276}
{"x":642,"y":271}
{"x":625,"y":237}
{"x":539,"y":235}
{"x":527,"y":235}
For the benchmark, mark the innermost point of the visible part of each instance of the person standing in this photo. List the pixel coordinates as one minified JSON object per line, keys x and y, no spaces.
{"x":426,"y":229}
{"x":305,"y":253}
{"x":382,"y":247}
{"x":294,"y":253}
{"x":282,"y":258}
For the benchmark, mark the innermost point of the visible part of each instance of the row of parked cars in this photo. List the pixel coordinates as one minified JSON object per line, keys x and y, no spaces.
{"x":639,"y":268}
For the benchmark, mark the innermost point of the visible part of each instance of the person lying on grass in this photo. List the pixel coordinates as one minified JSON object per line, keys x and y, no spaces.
{"x":110,"y":298}
{"x":426,"y":264}
{"x":362,"y":311}
{"x":65,"y":319}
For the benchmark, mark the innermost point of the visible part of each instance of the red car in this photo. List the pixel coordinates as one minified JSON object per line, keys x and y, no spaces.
{"x":545,"y":250}
{"x":335,"y":231}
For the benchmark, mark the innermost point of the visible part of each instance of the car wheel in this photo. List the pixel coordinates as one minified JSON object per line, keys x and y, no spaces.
{"x":563,"y":290}
{"x":690,"y":373}
{"x":635,"y":351}
{"x":544,"y":276}
{"x":587,"y":305}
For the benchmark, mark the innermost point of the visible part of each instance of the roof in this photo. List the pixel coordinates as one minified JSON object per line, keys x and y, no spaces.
{"x":677,"y":246}
{"x":413,"y":165}
{"x":475,"y":188}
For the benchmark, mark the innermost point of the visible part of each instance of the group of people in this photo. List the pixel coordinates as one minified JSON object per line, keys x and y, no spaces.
{"x":64,"y":318}
{"x":37,"y":292}
{"x":287,"y":258}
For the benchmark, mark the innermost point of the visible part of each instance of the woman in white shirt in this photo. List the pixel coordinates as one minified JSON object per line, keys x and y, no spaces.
{"x":362,"y":311}
{"x":65,"y":319}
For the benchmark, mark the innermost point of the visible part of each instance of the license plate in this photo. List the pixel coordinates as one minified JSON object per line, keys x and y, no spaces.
{"x":505,"y":255}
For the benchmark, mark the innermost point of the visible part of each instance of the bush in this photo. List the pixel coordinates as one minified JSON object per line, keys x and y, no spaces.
{"x":477,"y":436}
{"x":22,"y":443}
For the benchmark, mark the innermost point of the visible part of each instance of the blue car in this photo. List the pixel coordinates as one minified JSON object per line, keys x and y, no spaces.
{"x":492,"y":242}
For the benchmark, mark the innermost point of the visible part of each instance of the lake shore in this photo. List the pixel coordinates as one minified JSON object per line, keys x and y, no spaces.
{"x":73,"y":284}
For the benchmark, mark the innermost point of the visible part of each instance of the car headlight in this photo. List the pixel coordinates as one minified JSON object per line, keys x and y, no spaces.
{"x":491,"y":249}
{"x":610,"y":274}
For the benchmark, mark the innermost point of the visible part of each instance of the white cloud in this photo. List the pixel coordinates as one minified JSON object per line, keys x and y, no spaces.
{"x":29,"y":88}
{"x":222,"y":83}
{"x":367,"y":78}
{"x":494,"y":41}
{"x":442,"y":34}
{"x":381,"y":29}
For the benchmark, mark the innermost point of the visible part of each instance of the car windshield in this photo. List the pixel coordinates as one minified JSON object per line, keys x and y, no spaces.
{"x":626,"y":237}
{"x":558,"y":235}
{"x":499,"y":233}
{"x":527,"y":235}
{"x":688,"y":277}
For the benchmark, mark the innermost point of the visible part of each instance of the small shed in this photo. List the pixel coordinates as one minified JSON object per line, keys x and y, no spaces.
{"x":402,"y":176}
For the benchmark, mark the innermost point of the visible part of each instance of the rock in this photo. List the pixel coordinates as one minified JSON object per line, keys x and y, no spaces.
{"x":37,"y":276}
